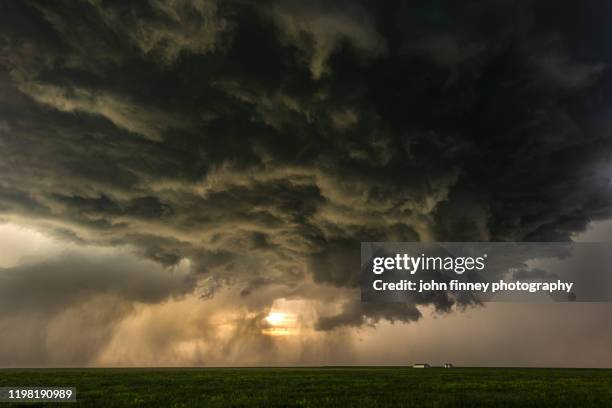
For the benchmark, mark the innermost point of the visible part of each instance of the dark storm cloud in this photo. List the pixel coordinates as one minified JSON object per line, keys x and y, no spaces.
{"x":354,"y":315}
{"x":50,"y":285}
{"x":63,"y":309}
{"x":265,"y":140}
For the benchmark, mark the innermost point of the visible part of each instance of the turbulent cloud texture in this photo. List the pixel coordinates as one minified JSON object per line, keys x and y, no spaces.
{"x":262,"y":141}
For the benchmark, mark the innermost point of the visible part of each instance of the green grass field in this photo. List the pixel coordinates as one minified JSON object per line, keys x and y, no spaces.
{"x":322,"y":387}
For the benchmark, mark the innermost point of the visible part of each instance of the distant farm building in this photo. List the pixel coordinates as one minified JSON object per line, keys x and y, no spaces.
{"x":421,"y":365}
{"x":448,"y":365}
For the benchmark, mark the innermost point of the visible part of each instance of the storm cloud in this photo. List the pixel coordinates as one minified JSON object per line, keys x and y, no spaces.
{"x":262,"y":141}
{"x":62,"y":308}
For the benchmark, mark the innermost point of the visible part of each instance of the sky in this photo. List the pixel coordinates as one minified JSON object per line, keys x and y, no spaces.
{"x":187,"y":183}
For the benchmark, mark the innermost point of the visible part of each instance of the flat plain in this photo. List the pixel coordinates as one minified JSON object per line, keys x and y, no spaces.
{"x":323,"y":387}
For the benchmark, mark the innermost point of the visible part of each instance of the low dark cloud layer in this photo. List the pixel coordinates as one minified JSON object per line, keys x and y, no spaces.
{"x":62,"y":309}
{"x":264,"y":140}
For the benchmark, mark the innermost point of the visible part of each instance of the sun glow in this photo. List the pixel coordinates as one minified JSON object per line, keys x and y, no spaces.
{"x":289,"y":317}
{"x":280,"y":324}
{"x":277,"y":318}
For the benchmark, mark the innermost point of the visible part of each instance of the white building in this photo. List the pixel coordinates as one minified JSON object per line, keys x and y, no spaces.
{"x":421,"y":365}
